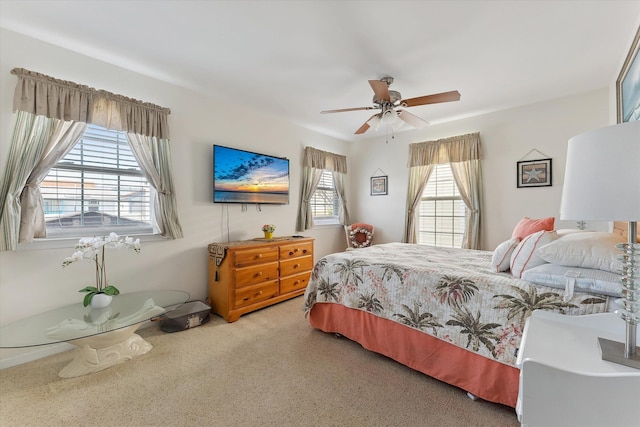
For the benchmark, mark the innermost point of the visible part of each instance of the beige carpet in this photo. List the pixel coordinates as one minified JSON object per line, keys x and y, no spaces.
{"x":267,"y":369}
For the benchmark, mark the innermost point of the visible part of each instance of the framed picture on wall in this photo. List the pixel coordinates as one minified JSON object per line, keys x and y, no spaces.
{"x":379,"y":186}
{"x":628,"y":85}
{"x":534,"y":173}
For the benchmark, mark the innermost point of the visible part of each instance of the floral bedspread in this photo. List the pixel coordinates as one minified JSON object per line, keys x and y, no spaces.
{"x":452,"y":294}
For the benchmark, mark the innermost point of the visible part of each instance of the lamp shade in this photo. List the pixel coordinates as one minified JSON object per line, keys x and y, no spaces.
{"x":602,"y":175}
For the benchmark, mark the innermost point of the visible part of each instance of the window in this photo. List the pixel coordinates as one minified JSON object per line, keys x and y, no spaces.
{"x":442,"y":210}
{"x":325,"y":205}
{"x":98,"y":185}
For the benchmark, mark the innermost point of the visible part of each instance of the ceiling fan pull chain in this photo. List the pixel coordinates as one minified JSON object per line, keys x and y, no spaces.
{"x":393,"y":134}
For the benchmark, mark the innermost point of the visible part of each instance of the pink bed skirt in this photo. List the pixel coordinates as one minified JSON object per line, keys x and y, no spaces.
{"x":485,"y":378}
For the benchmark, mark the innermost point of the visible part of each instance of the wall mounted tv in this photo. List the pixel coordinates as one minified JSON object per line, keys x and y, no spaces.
{"x":245,"y":177}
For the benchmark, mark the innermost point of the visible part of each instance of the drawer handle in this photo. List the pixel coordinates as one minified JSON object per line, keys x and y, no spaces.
{"x":257,"y":294}
{"x":296,"y":282}
{"x":291,"y":253}
{"x":258,"y":274}
{"x":259,"y":256}
{"x":296,"y":265}
{"x":304,"y":251}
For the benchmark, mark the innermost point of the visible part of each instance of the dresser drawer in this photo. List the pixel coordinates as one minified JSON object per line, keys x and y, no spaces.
{"x":294,"y":283}
{"x":248,"y":257}
{"x":295,"y":250}
{"x":296,"y":265}
{"x":254,"y":294}
{"x":255,"y":274}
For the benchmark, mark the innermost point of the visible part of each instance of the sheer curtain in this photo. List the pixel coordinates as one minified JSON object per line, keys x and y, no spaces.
{"x":155,"y":160}
{"x":463,"y":154}
{"x":310,"y":179}
{"x":418,"y":177}
{"x":64,"y":137}
{"x":51,"y":116}
{"x":36,"y":142}
{"x":338,"y":182}
{"x":313,"y":163}
{"x":468,"y":177}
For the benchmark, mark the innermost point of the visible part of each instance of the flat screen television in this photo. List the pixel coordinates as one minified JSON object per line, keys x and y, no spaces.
{"x":246,"y":177}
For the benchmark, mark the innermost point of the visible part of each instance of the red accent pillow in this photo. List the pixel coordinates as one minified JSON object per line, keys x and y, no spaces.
{"x":528,"y":226}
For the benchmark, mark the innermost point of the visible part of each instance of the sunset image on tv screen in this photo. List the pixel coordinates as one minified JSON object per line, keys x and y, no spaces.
{"x":245,"y":177}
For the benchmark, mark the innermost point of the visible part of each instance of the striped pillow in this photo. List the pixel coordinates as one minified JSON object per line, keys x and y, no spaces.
{"x":524,"y":257}
{"x":502,"y":255}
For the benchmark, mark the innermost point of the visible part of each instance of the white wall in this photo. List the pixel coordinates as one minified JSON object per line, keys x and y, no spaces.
{"x":33,"y":281}
{"x":506,"y":136}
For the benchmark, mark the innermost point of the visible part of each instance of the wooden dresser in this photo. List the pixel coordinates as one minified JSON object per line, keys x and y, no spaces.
{"x":247,"y":275}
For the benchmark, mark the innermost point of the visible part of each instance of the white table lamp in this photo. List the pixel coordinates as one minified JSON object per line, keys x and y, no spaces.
{"x":602,"y":182}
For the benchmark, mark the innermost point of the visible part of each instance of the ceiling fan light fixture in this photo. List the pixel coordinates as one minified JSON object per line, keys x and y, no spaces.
{"x":375,"y":121}
{"x":397,"y":124}
{"x":389,"y":117}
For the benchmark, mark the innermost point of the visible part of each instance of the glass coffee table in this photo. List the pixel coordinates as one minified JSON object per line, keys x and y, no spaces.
{"x":104,"y":337}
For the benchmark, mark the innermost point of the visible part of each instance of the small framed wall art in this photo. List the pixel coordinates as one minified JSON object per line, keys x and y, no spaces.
{"x":628,"y":84}
{"x":379,"y":185}
{"x":534,"y":173}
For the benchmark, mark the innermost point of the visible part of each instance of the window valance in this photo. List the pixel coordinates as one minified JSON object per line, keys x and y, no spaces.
{"x":456,"y":149}
{"x":318,"y":159}
{"x":64,"y":100}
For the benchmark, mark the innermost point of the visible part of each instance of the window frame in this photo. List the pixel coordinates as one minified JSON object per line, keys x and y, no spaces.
{"x":456,"y":236}
{"x":319,"y":220}
{"x":97,"y":133}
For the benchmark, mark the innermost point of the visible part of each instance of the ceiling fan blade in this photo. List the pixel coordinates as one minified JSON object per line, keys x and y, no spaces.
{"x":381,"y":89}
{"x":362,"y":129}
{"x":365,"y":126}
{"x":412,"y":119}
{"x":453,"y":95}
{"x":342,"y":110}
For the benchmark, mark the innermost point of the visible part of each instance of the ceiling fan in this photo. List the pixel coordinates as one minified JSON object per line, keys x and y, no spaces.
{"x":387,"y":101}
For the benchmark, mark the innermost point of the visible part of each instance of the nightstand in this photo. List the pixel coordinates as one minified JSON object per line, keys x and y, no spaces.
{"x":564,"y":381}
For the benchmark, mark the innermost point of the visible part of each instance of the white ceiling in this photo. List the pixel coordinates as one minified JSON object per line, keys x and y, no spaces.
{"x":296,"y":58}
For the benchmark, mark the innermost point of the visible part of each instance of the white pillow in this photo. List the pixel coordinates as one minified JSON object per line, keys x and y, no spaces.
{"x":586,"y":279}
{"x":590,"y":249}
{"x":502,"y":255}
{"x":564,"y":231}
{"x":524,"y":256}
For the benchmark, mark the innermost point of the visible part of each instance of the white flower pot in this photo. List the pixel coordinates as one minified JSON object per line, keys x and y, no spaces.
{"x":100,"y":301}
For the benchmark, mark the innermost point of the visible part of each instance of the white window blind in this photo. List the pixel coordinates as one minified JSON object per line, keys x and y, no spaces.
{"x":442,"y":211}
{"x":324,"y":202}
{"x":97,"y":187}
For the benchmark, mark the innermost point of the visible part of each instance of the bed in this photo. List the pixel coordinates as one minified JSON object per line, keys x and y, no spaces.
{"x":445,"y":312}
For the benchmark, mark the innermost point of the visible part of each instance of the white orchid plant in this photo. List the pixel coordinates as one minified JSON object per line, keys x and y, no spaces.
{"x":93,"y":249}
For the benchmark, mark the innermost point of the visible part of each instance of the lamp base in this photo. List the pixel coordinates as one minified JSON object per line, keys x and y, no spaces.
{"x":613,"y":351}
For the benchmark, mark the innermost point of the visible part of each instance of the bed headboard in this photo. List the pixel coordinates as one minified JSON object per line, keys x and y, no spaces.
{"x":622,"y":228}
